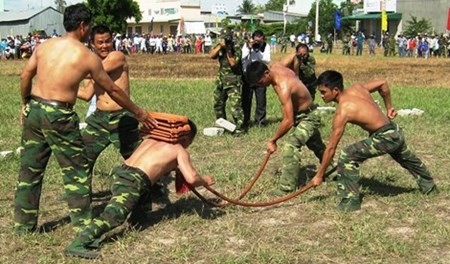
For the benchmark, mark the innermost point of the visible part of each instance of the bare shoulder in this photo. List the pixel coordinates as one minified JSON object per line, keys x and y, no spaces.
{"x":118,"y":55}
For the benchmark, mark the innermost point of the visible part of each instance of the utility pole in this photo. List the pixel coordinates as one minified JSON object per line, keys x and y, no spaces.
{"x":316,"y":29}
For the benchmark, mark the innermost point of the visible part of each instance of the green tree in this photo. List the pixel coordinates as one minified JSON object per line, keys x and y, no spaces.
{"x":60,"y":5}
{"x":247,"y":7}
{"x":346,"y":9}
{"x":277,"y":5}
{"x":416,"y":26}
{"x":326,"y":16}
{"x":114,"y":13}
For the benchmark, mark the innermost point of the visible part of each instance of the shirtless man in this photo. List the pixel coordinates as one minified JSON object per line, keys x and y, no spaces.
{"x":304,"y":65}
{"x":148,"y":163}
{"x":109,"y":123}
{"x":356,"y":106}
{"x":300,"y":117}
{"x":50,"y":124}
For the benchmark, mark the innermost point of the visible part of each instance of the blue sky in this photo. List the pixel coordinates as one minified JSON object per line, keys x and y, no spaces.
{"x":301,"y":6}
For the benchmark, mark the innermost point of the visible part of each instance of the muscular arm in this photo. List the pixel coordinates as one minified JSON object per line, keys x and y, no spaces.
{"x":383,"y":89}
{"x":288,"y":61}
{"x":188,"y":170}
{"x":338,"y":128}
{"x":104,"y":82}
{"x":288,"y":117}
{"x":26,"y":78}
{"x":114,"y":61}
{"x":87,"y":91}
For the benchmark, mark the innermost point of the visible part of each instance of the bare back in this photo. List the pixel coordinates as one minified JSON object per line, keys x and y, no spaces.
{"x":116,"y":66}
{"x":61,"y":64}
{"x":357,"y":104}
{"x":288,"y":84}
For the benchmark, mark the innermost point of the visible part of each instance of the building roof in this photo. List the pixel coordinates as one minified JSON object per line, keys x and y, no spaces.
{"x":370,"y":16}
{"x":22,"y":15}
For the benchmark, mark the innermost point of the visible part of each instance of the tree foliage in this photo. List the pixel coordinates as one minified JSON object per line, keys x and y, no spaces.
{"x":416,"y":26}
{"x":60,"y":5}
{"x":114,"y":13}
{"x":326,"y":16}
{"x":247,"y":7}
{"x":277,"y":5}
{"x":346,"y":9}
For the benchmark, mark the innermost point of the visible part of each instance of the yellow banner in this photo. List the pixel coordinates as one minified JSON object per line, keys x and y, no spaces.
{"x":384,"y":21}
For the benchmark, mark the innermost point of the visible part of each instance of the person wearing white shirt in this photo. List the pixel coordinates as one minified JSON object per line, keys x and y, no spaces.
{"x":208,"y":43}
{"x":257,"y":49}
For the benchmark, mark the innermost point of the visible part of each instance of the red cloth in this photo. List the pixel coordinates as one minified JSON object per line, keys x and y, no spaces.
{"x":448,"y":19}
{"x":181,"y":185}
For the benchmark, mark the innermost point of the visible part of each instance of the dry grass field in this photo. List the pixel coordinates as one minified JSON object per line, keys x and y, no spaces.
{"x":395,"y":225}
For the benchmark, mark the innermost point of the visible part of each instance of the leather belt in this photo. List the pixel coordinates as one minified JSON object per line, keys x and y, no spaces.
{"x":51,"y":102}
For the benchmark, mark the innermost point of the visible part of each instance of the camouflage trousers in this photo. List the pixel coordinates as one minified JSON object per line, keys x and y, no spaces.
{"x":387,"y":140}
{"x":103,"y":128}
{"x":305,"y":132}
{"x":50,"y":129}
{"x":229,"y":88}
{"x":130,"y":184}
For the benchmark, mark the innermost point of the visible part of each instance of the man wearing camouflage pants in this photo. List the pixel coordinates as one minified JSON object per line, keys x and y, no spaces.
{"x":356,"y":106}
{"x":50,"y":124}
{"x":229,"y":79}
{"x":109,"y":123}
{"x":300,"y":119}
{"x":150,"y":161}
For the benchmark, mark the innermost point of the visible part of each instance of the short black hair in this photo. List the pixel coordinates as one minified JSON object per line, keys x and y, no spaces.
{"x":100,"y":29}
{"x":74,"y":15}
{"x":258,"y":33}
{"x":193,"y":131}
{"x":301,"y":45}
{"x":255,"y":72}
{"x":331,"y":79}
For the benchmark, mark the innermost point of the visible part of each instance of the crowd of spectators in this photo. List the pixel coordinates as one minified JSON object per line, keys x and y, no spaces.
{"x":422,"y":45}
{"x":21,"y":47}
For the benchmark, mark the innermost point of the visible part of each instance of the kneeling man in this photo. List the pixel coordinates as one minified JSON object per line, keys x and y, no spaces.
{"x":149,"y":162}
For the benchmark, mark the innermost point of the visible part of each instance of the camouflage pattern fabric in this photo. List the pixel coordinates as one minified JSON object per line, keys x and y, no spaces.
{"x":229,"y":86}
{"x":307,"y":74}
{"x":103,"y":128}
{"x":305,"y":132}
{"x":387,"y":140}
{"x":128,"y":187}
{"x":50,"y":129}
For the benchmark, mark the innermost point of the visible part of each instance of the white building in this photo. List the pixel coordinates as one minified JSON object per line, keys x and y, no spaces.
{"x":168,"y":17}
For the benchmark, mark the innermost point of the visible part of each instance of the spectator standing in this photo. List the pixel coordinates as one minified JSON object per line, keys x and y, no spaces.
{"x":208,"y":43}
{"x":256,"y":49}
{"x":292,"y":40}
{"x":229,"y":79}
{"x":372,"y":44}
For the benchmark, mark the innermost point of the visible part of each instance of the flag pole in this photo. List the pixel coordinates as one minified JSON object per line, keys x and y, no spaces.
{"x":316,"y":30}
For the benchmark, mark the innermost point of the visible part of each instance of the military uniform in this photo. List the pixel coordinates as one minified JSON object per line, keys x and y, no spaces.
{"x":283,"y":42}
{"x":51,"y":126}
{"x":307,"y":74}
{"x":229,"y":85}
{"x":129,"y":186}
{"x":305,"y":132}
{"x":386,"y":44}
{"x":105,"y":127}
{"x":390,"y":140}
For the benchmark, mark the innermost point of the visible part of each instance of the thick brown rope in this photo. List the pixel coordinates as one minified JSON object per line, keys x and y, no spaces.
{"x":243,"y":193}
{"x":254,"y":204}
